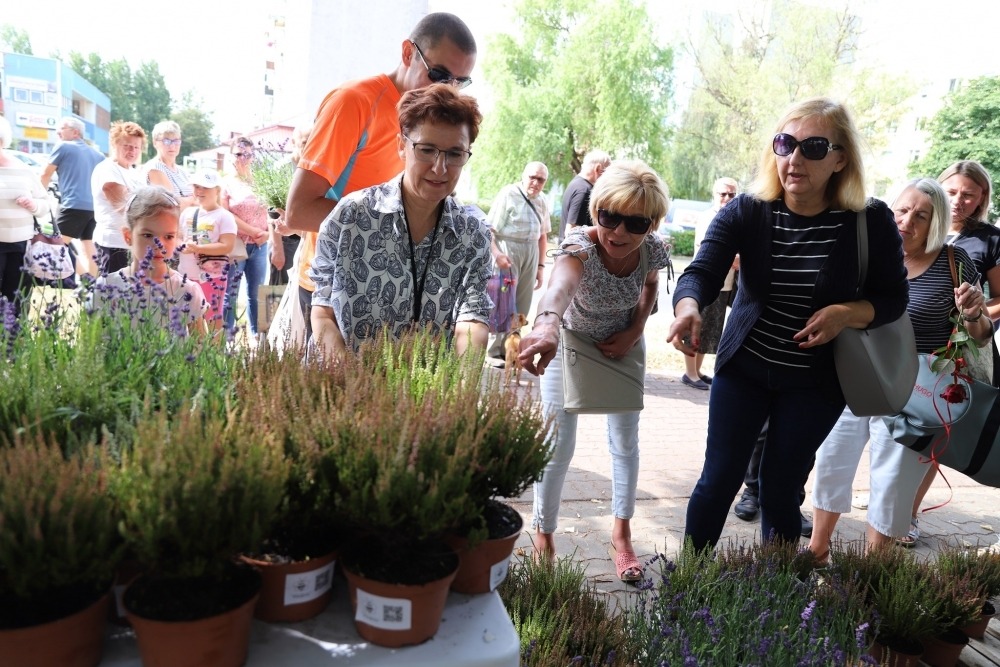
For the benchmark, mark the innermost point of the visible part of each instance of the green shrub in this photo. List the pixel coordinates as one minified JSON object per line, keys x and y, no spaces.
{"x":683,"y":243}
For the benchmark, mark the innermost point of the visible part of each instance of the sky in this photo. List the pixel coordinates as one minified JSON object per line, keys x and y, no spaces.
{"x":200,"y":45}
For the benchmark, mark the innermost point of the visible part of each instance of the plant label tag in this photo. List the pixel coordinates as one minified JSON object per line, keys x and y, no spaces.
{"x":119,"y":590}
{"x":384,"y":613}
{"x":306,"y":586}
{"x":498,"y":573}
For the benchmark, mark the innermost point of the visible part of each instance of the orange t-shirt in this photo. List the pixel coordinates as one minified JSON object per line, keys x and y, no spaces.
{"x":353,"y":146}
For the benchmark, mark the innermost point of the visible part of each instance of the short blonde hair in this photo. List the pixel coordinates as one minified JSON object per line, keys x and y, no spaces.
{"x":631,"y":184}
{"x":977,"y":174}
{"x":165,"y":127}
{"x":846,"y":188}
{"x":940,"y":211}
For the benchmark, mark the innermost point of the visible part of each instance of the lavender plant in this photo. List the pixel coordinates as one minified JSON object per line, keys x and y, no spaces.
{"x":271,"y":174}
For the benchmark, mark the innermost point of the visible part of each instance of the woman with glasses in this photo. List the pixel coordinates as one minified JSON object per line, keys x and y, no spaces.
{"x":111,"y":184}
{"x":162,"y":170}
{"x":251,"y":221}
{"x":796,"y":235}
{"x":404,"y":253}
{"x":598,"y":288}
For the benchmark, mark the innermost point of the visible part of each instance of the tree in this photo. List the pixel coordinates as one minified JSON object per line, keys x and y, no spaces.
{"x":15,"y":40}
{"x":579,"y":75}
{"x":751,"y":67}
{"x":966,"y":128}
{"x":196,"y":126}
{"x":152,"y":99}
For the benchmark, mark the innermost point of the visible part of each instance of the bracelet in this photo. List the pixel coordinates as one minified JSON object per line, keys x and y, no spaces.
{"x":547,"y":312}
{"x":973,"y":319}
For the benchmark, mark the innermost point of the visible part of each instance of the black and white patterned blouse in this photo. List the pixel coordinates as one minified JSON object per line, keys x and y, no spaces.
{"x":362,"y":267}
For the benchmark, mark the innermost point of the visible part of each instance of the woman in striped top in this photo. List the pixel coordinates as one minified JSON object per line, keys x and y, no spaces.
{"x":922,"y":216}
{"x":796,"y":235}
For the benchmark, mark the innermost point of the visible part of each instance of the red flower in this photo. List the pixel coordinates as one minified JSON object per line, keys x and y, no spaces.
{"x":954,"y":393}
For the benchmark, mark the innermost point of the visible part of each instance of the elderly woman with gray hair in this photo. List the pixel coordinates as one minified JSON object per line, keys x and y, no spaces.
{"x":22,"y":198}
{"x":162,"y":170}
{"x":922,"y":216}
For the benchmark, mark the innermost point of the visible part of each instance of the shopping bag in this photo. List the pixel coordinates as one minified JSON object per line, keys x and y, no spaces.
{"x":501,"y":290}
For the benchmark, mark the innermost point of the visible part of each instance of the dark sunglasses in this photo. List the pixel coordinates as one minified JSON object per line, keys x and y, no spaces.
{"x":634,"y":224}
{"x":813,"y":148}
{"x":439,"y":74}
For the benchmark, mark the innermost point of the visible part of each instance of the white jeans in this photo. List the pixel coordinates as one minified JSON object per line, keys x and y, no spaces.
{"x":896,"y":472}
{"x":623,"y":444}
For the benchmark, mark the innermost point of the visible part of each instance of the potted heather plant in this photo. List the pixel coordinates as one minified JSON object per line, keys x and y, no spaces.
{"x":515,"y":449}
{"x":958,"y":601}
{"x":297,"y":556}
{"x":907,"y":610}
{"x":271,"y":176}
{"x":198,"y":488}
{"x":405,"y":441}
{"x":59,"y":546}
{"x":983,"y":567}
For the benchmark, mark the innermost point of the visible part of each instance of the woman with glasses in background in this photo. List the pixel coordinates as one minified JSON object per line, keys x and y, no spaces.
{"x":597,"y":287}
{"x":404,"y":253}
{"x":251,"y":221}
{"x":111,"y":184}
{"x":796,"y":235}
{"x":162,"y":170}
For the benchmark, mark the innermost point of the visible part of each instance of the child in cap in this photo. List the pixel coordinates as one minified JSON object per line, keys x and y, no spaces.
{"x":210,"y":231}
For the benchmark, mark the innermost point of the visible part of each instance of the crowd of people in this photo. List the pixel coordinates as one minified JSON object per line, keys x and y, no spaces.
{"x":385,"y":245}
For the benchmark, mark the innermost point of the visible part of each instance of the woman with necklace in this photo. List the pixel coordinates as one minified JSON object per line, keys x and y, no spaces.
{"x":111,"y":184}
{"x":598,"y":288}
{"x":404,"y":253}
{"x":163,"y":170}
{"x":922,"y":217}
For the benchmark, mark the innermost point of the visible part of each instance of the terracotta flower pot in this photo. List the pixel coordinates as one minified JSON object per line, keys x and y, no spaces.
{"x":295,"y":591}
{"x":484,"y":567}
{"x":896,"y":656}
{"x":220,"y":640}
{"x":944,"y":649}
{"x":393,"y":614}
{"x":74,"y":641}
{"x":977,"y":630}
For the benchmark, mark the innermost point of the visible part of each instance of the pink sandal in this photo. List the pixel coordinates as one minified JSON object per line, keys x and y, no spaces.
{"x":627,"y":566}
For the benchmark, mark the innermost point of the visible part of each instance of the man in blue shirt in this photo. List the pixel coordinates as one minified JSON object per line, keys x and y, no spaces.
{"x":74,"y":160}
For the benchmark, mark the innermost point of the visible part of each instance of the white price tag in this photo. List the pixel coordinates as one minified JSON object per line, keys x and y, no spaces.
{"x":499,"y":572}
{"x":307,"y":586}
{"x":384,"y":613}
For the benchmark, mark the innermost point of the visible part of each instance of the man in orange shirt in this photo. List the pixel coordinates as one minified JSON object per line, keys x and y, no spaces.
{"x":353,"y":144}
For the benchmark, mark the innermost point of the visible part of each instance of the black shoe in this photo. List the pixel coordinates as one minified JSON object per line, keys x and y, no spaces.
{"x":694,"y":384}
{"x":807,"y":525}
{"x":747,"y":507}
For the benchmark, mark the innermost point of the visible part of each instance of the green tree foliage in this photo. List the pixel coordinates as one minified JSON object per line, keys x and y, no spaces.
{"x":152,"y":99}
{"x":751,"y":67}
{"x":196,"y":126}
{"x":15,"y":40}
{"x":578,"y":75}
{"x":966,"y":128}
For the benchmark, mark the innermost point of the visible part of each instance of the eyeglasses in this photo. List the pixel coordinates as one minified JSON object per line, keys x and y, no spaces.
{"x":813,"y":148}
{"x":439,"y":74}
{"x":725,"y":195}
{"x":453,"y":157}
{"x":634,"y":224}
{"x":540,"y":179}
{"x":170,"y":142}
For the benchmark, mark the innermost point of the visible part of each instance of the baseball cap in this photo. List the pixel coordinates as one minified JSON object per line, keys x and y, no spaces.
{"x":207,"y":178}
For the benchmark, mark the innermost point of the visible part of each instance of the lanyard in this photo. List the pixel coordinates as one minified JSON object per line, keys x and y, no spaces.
{"x":418,"y":285}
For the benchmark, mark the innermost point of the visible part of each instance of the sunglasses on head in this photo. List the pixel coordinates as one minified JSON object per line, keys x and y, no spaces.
{"x":813,"y":148}
{"x":439,"y":74}
{"x":634,"y":224}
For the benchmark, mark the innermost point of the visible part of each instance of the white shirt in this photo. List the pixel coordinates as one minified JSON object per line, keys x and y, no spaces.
{"x":111,"y":219}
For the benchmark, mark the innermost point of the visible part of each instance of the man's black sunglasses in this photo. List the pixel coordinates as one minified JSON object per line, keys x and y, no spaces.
{"x":439,"y":74}
{"x":813,"y":148}
{"x":634,"y":224}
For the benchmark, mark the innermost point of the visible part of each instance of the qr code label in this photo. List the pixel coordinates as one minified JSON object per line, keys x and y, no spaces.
{"x":384,"y":613}
{"x":306,"y":586}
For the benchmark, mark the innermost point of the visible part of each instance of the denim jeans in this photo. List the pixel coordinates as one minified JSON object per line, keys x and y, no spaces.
{"x":746,"y":392}
{"x":254,"y":270}
{"x":623,"y":444}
